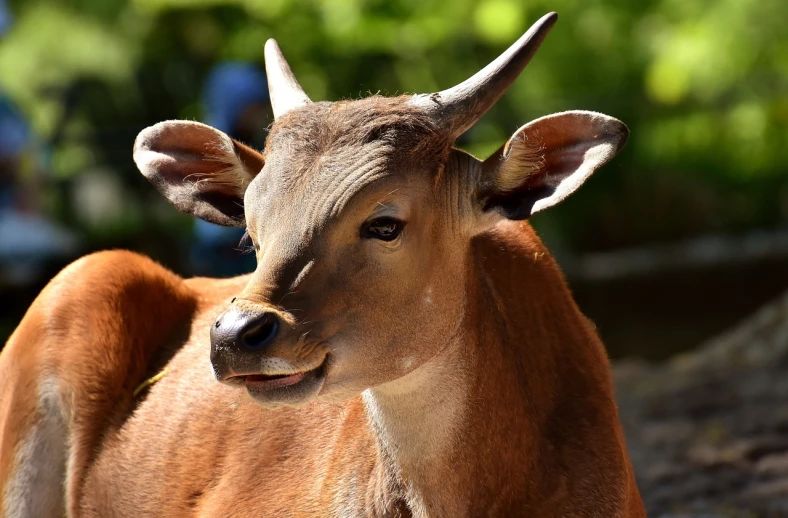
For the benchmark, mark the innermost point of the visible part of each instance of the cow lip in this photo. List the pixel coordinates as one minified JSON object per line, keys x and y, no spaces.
{"x":273,"y":390}
{"x":276,"y":380}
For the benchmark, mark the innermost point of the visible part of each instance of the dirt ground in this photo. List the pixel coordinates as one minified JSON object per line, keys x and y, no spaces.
{"x":708,"y":430}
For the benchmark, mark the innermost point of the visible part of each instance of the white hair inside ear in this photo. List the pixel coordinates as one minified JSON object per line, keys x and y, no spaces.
{"x":547,"y":160}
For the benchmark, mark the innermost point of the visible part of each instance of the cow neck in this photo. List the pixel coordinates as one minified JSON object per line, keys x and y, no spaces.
{"x":460,"y":430}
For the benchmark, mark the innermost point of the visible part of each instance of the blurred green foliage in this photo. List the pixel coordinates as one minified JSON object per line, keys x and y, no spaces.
{"x":703,"y":85}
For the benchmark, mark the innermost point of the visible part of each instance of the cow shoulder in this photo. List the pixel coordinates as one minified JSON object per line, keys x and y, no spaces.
{"x":106,"y":317}
{"x":101,"y":327}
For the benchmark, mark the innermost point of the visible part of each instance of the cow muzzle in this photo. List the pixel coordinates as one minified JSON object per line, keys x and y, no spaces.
{"x":243,"y":330}
{"x":259,"y":350}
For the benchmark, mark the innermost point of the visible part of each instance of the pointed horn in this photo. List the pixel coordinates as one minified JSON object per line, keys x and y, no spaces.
{"x":459,"y":107}
{"x":283,"y":88}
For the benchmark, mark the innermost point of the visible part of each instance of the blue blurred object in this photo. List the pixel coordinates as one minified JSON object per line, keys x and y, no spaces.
{"x":14,"y":129}
{"x":14,"y":141}
{"x":6,"y":19}
{"x":230,"y":89}
{"x":28,"y":239}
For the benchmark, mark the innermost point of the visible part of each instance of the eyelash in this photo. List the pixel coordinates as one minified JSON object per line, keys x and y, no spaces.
{"x":245,"y":245}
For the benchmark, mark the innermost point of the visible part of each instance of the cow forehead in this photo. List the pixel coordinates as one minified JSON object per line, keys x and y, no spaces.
{"x":320,"y":156}
{"x":352,"y":121}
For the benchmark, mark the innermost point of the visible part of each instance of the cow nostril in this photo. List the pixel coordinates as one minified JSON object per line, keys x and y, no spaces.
{"x":260,"y":333}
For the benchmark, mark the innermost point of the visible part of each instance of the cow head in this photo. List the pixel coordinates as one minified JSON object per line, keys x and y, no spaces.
{"x":361,"y":214}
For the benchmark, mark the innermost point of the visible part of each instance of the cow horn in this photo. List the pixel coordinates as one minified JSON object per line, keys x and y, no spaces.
{"x":459,"y":107}
{"x":283,"y":88}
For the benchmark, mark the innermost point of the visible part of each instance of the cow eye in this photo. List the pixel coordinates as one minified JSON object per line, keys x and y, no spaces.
{"x":384,"y":229}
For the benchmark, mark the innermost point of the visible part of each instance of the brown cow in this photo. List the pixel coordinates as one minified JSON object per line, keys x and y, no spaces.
{"x":405,"y":347}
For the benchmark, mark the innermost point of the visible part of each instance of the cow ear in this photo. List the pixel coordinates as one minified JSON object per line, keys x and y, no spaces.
{"x":201,"y":170}
{"x":547,"y":160}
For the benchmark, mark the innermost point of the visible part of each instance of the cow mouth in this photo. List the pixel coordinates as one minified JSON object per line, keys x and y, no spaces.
{"x":276,"y":380}
{"x":288,"y":389}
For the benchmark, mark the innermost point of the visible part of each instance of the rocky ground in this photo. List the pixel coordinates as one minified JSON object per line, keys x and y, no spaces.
{"x":708,"y":431}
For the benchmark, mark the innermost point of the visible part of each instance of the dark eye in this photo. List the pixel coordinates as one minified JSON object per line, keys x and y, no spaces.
{"x":385,"y":229}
